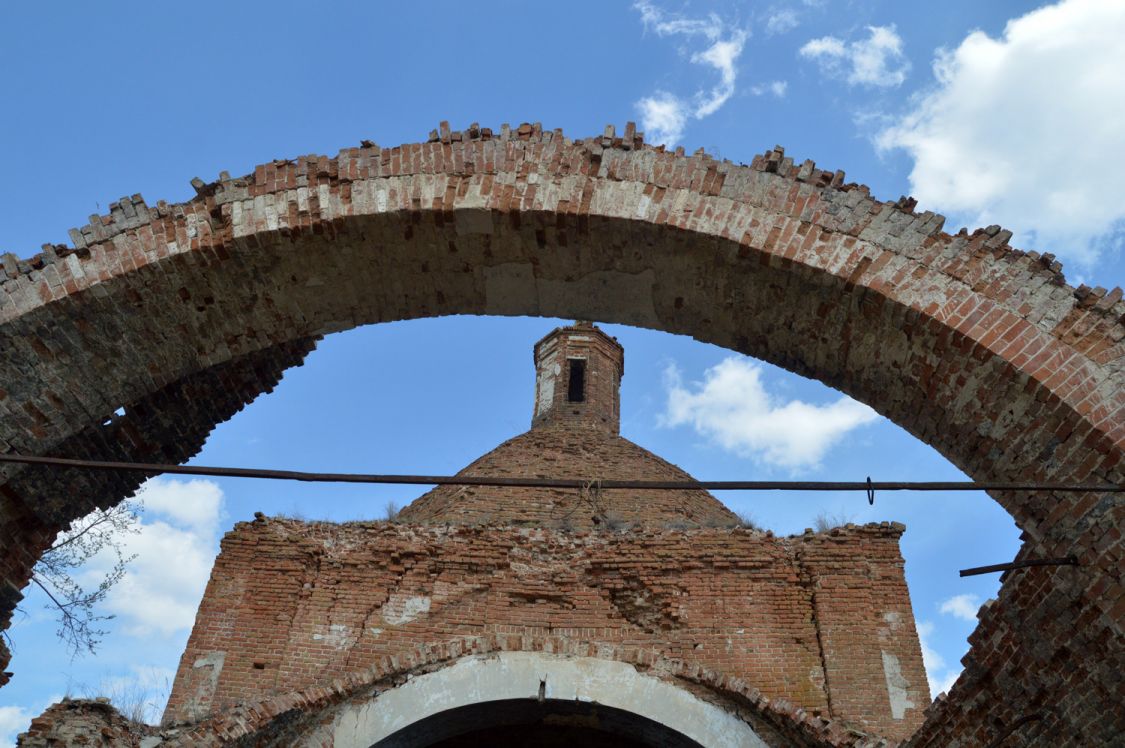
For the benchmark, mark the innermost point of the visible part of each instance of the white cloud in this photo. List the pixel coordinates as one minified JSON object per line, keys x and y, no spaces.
{"x":877,"y":60}
{"x":721,"y":55}
{"x":782,"y":21}
{"x":17,"y":719}
{"x":174,"y":550}
{"x":194,"y":503}
{"x":776,"y":88}
{"x":13,"y":721}
{"x":964,"y":607}
{"x":654,"y":18}
{"x":664,"y":116}
{"x":939,"y":677}
{"x":828,"y":47}
{"x":732,"y":408}
{"x":1028,"y":130}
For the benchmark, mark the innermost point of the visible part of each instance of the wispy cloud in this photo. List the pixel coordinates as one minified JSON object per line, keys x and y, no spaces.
{"x":13,"y":721}
{"x":665,"y":115}
{"x":781,"y":21}
{"x":877,"y":60}
{"x":174,"y":551}
{"x":939,"y":677}
{"x":666,"y":25}
{"x":964,"y":607}
{"x":1025,"y":131}
{"x":732,"y":408}
{"x":775,"y":88}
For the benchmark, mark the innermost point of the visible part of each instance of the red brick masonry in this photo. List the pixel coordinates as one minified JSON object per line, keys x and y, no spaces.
{"x":183,"y":313}
{"x":820,"y":620}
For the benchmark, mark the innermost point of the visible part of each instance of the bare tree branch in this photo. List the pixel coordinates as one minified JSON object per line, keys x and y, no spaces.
{"x":99,"y":533}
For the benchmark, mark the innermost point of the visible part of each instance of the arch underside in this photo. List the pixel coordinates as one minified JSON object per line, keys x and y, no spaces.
{"x":514,"y":693}
{"x":533,"y":723}
{"x":183,"y":314}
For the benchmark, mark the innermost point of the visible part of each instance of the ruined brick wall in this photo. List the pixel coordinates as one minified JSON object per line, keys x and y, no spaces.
{"x":292,"y":605}
{"x":865,"y":627}
{"x":297,"y":718}
{"x":980,"y":350}
{"x":85,"y":722}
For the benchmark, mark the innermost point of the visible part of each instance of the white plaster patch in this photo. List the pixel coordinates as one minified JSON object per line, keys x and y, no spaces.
{"x":204,"y":688}
{"x":642,"y":206}
{"x":211,"y":659}
{"x":547,"y":385}
{"x":337,"y":636}
{"x":519,"y":675}
{"x":401,"y":608}
{"x":894,"y":623}
{"x":897,"y":686}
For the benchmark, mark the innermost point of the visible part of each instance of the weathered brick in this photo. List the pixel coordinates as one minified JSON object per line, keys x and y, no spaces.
{"x":120,"y":333}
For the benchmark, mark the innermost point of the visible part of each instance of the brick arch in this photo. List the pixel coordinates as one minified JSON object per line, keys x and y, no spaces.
{"x":308,"y":715}
{"x":977,"y":349}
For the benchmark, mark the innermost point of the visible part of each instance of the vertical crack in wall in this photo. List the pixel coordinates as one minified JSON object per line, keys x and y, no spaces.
{"x":809,"y":583}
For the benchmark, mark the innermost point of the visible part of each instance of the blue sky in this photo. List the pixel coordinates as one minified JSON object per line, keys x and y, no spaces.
{"x":1010,"y":113}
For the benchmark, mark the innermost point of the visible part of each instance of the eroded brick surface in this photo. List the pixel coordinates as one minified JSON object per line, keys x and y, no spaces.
{"x":291,"y":605}
{"x":976,"y":348}
{"x":296,"y":718}
{"x":586,"y":455}
{"x":85,"y":722}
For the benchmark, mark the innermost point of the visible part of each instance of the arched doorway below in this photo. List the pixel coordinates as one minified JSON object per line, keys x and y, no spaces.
{"x":530,"y":723}
{"x":534,"y":698}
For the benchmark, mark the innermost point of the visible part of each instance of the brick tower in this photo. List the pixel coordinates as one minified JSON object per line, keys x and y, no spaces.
{"x":578,"y":374}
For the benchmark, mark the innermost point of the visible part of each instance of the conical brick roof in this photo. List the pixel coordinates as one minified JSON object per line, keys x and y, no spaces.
{"x":574,"y":435}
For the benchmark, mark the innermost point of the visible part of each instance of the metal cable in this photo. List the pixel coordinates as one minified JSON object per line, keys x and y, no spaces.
{"x":868,"y":486}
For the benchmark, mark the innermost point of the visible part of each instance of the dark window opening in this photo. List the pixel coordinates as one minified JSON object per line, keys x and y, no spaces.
{"x":576,"y":390}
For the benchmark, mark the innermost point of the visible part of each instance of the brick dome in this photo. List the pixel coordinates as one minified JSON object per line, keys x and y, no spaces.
{"x":574,"y":435}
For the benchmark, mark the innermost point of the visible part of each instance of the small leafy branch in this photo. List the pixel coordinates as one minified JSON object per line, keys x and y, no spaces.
{"x":56,"y":574}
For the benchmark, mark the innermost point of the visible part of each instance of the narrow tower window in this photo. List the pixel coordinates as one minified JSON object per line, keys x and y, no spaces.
{"x":576,"y":389}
